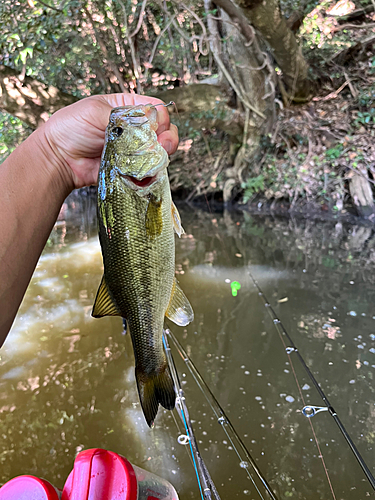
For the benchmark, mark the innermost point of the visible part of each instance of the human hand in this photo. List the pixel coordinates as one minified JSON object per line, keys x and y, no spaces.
{"x":76,"y":135}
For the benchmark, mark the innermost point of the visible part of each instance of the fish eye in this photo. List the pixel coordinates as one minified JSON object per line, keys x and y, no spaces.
{"x":117,"y":131}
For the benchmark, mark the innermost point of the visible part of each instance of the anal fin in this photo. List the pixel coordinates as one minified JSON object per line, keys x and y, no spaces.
{"x":179,"y":309}
{"x":104,"y":305}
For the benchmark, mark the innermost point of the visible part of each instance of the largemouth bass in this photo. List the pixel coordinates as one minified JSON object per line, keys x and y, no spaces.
{"x":137,"y":220}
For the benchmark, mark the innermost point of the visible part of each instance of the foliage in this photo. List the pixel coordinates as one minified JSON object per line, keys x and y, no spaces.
{"x":336,"y":126}
{"x":252,"y":186}
{"x":289,"y":172}
{"x":12,"y":133}
{"x":290,"y":6}
{"x":335,"y":152}
{"x":49,"y":43}
{"x":86,"y":47}
{"x":365,"y":118}
{"x":315,"y":26}
{"x":366,"y":105}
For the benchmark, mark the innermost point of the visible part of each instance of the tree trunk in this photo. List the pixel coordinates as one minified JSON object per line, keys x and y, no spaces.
{"x":248,"y":71}
{"x":254,"y":79}
{"x":30,"y":100}
{"x":266,"y":17}
{"x":361,"y":193}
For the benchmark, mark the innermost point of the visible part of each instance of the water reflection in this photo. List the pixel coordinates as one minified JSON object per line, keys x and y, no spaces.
{"x":67,"y":380}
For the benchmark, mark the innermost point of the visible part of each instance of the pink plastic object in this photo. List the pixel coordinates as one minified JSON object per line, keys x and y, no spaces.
{"x":103,"y":475}
{"x":28,"y":488}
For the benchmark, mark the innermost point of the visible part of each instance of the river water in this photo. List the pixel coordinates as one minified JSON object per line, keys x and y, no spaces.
{"x":67,"y":380}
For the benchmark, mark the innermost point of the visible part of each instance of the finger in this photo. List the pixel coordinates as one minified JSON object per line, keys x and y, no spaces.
{"x":163,"y":115}
{"x":114,"y":100}
{"x":169,"y":139}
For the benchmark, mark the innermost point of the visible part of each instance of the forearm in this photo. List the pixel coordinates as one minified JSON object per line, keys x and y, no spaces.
{"x":32,"y":192}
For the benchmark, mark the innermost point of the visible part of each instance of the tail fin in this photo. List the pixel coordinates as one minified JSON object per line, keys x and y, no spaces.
{"x":153,"y":389}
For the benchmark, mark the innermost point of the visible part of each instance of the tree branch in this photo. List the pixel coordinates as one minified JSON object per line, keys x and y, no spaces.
{"x":103,"y":48}
{"x":157,"y":43}
{"x":140,"y":19}
{"x":237,"y":16}
{"x":136,"y":65}
{"x":49,"y":6}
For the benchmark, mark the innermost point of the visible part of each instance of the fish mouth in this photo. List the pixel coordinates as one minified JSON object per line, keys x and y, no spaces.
{"x":145,"y":182}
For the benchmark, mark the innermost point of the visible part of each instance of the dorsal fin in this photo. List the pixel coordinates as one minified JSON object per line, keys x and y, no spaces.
{"x":104,"y":305}
{"x":179,"y":309}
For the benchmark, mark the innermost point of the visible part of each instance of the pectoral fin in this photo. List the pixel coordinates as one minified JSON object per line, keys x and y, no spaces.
{"x":104,"y":305}
{"x":179,"y":309}
{"x":154,"y":219}
{"x":125,"y":325}
{"x":176,"y":219}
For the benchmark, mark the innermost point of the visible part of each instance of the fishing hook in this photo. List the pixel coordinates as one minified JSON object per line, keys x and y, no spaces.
{"x":171,"y":103}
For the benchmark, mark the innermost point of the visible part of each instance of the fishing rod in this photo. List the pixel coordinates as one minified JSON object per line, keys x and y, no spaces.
{"x":236,"y":442}
{"x":206,"y":485}
{"x":310,"y":411}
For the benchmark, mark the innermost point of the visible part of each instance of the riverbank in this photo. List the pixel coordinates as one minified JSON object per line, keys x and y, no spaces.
{"x":319,"y":157}
{"x":310,"y":163}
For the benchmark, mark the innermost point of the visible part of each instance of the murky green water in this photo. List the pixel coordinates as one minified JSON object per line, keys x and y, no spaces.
{"x":67,"y":380}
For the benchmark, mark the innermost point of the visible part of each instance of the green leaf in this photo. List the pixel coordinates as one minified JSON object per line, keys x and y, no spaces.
{"x":28,"y":51}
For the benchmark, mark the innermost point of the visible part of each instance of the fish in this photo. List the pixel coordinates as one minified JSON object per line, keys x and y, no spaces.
{"x":137,"y":220}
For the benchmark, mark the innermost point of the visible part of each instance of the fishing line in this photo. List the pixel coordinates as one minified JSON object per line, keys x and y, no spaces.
{"x":171,"y":103}
{"x":310,"y":410}
{"x":242,"y":453}
{"x":181,"y":440}
{"x":320,"y":454}
{"x":179,"y":435}
{"x":206,"y":485}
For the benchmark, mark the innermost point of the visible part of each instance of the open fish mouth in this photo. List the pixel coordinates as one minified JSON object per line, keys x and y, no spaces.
{"x":145,"y":182}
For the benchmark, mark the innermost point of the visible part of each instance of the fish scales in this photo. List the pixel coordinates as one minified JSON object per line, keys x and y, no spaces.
{"x":139,"y":271}
{"x":137,"y":219}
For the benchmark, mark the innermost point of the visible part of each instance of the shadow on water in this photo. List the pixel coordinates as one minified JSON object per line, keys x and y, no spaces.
{"x":67,"y":380}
